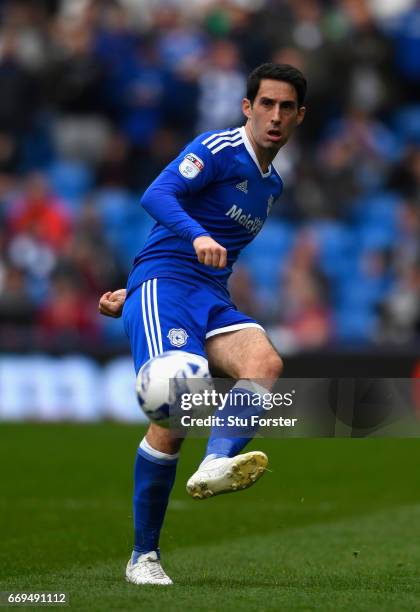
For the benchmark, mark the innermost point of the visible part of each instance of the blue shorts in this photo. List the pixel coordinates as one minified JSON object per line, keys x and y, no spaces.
{"x":166,"y":314}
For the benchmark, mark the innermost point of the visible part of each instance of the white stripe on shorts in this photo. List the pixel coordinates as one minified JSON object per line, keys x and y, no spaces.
{"x":146,"y":327}
{"x":150,"y":318}
{"x":155,"y":304}
{"x":234,"y":327}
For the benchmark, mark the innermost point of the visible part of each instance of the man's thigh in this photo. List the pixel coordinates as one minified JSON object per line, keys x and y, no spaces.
{"x":244,"y":353}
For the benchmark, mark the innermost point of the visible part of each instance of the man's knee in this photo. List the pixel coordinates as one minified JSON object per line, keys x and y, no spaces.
{"x":265,"y":364}
{"x":273,"y":365}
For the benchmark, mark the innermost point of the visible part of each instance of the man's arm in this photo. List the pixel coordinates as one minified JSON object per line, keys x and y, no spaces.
{"x":190,"y":173}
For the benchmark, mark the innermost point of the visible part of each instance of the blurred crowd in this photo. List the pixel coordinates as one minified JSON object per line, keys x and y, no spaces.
{"x":97,"y":96}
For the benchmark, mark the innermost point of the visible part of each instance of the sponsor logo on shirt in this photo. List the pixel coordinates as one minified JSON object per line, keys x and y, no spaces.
{"x":191,"y":165}
{"x":251,"y":224}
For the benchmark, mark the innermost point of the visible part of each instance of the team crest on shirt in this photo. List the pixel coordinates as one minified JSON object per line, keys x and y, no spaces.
{"x":191,"y":165}
{"x":270,"y":204}
{"x":177,"y":337}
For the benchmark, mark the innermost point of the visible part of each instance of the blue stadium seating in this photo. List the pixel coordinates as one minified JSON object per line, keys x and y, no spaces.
{"x":125,"y":222}
{"x":71,"y":181}
{"x":336,"y":248}
{"x":407,"y":124}
{"x":268,"y":253}
{"x":354,"y":326}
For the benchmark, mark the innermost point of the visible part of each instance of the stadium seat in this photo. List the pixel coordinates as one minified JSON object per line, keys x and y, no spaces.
{"x":277,"y":237}
{"x":113,"y":206}
{"x":380,"y":209}
{"x":71,"y":181}
{"x":354,"y":325}
{"x":407,"y":124}
{"x":376,"y":221}
{"x":335,"y":248}
{"x":267,"y":254}
{"x":125,"y":222}
{"x":377,"y":237}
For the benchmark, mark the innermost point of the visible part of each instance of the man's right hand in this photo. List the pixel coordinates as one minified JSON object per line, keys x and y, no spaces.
{"x":209,"y":252}
{"x":112,"y":302}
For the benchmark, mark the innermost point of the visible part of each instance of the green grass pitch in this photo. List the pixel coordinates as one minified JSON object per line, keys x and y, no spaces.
{"x":334,"y":526}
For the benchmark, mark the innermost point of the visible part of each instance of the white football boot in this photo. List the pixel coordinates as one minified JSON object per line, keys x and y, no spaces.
{"x":146,"y":570}
{"x":227,"y":474}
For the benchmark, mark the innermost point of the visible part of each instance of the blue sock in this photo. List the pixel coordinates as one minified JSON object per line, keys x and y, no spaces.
{"x":228,"y":441}
{"x":154,"y":476}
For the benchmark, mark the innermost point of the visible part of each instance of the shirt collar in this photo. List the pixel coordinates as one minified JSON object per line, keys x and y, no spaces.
{"x":251,"y":151}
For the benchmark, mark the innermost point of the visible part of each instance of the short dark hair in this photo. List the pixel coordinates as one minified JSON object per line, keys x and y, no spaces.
{"x":277,"y":72}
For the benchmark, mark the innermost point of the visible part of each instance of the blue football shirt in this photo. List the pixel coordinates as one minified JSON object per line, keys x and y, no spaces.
{"x":214,"y":187}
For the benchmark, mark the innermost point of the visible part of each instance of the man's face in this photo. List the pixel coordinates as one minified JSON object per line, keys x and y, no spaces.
{"x":274,"y":114}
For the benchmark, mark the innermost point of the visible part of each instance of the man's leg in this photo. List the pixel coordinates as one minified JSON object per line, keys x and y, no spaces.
{"x":150,"y":313}
{"x":154,"y":477}
{"x":247,"y":355}
{"x":242,"y":354}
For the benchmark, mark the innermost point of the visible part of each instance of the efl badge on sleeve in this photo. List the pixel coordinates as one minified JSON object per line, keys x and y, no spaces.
{"x":190,"y":166}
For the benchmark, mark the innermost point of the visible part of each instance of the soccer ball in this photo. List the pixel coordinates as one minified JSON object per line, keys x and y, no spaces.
{"x":164,"y":379}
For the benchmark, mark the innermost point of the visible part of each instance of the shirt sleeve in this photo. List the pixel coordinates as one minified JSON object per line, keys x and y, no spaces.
{"x":189,"y":173}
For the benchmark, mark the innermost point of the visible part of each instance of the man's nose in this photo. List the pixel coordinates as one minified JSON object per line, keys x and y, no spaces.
{"x":276,"y":116}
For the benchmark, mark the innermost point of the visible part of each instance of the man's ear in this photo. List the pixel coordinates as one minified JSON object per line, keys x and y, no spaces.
{"x":247,"y":108}
{"x":301,"y":115}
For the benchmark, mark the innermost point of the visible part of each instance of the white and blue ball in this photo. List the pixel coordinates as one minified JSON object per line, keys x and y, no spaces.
{"x":162,"y":380}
